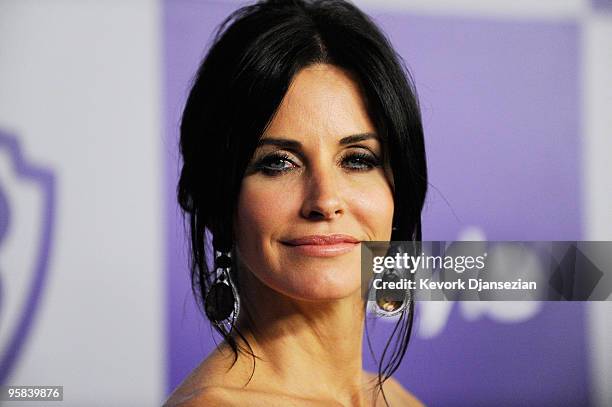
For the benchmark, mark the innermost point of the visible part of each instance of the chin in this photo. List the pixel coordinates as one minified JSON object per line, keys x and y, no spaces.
{"x":323,"y":282}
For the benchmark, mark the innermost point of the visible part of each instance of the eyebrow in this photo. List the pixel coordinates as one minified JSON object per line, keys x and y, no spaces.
{"x":294,"y":144}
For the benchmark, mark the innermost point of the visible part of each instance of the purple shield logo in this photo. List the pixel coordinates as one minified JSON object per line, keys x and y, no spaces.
{"x":27,"y":209}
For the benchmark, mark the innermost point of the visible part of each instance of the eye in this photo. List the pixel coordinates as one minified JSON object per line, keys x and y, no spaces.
{"x":275,"y":164}
{"x":360,"y":161}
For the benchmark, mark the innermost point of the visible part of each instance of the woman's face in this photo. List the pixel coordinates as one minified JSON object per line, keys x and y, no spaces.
{"x":315,"y":187}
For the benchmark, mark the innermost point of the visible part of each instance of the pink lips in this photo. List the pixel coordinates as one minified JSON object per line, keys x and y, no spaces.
{"x":323,"y":245}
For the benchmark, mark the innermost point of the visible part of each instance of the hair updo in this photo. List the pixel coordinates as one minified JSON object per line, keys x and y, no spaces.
{"x":238,"y":88}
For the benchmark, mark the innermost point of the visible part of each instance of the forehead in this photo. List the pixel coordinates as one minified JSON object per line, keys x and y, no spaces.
{"x":322,"y":101}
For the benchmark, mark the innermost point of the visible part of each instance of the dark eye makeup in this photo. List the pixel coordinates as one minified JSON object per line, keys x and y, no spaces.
{"x":279,"y":162}
{"x":275,"y":163}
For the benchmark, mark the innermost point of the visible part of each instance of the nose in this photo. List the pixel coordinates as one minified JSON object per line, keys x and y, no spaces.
{"x":323,"y":198}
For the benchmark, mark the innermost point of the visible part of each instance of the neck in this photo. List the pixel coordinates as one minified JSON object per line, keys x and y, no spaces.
{"x":311,"y":348}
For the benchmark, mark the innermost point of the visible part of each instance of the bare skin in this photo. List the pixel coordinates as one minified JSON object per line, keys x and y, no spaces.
{"x":303,"y":314}
{"x":217,"y":382}
{"x":214,"y":383}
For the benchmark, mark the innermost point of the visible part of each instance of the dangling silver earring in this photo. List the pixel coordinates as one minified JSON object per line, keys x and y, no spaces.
{"x":389,"y":302}
{"x":390,"y":305}
{"x":222,"y":303}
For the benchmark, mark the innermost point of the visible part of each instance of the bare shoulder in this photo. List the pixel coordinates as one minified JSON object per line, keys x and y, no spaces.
{"x":207,"y":396}
{"x":219,"y":382}
{"x":207,"y":384}
{"x":396,"y":394}
{"x":399,"y":396}
{"x":223,"y":396}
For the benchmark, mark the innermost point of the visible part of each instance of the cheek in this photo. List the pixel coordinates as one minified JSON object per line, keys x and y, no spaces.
{"x":373,"y":206}
{"x":253,"y":212}
{"x":263,"y":208}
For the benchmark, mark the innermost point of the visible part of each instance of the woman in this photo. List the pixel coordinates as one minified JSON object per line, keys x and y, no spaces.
{"x":301,"y":138}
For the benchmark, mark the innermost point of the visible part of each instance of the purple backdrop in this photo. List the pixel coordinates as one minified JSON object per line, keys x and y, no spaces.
{"x":602,"y":5}
{"x":501,"y":113}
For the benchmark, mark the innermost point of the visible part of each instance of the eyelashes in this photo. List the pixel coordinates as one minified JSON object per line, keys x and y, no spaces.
{"x":360,"y":161}
{"x":280,"y":162}
{"x":275,"y":164}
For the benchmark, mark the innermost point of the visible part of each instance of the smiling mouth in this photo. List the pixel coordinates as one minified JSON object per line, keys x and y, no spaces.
{"x":322,"y":245}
